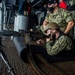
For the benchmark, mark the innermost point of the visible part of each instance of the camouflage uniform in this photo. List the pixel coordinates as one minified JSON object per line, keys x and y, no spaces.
{"x":62,"y":43}
{"x":61,"y":17}
{"x":73,"y":14}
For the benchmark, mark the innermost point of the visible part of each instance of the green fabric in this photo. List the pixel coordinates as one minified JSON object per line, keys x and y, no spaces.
{"x":61,"y":17}
{"x":63,"y":43}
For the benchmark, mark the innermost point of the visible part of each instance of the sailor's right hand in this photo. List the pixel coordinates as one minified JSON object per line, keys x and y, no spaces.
{"x":45,"y":23}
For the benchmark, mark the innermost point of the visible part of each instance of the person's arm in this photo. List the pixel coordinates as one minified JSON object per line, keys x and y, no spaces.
{"x":70,"y":21}
{"x":69,"y":27}
{"x":59,"y":45}
{"x":42,"y":27}
{"x":47,"y":17}
{"x":46,"y":21}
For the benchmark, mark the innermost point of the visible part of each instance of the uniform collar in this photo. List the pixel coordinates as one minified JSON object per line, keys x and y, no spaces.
{"x":57,"y":12}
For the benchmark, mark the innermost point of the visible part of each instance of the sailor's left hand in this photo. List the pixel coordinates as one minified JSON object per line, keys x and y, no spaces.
{"x":40,"y":42}
{"x":48,"y":39}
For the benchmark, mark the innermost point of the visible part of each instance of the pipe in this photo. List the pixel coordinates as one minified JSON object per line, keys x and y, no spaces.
{"x":4,"y":15}
{"x":9,"y":33}
{"x":22,"y":49}
{"x":36,"y":3}
{"x":18,"y":42}
{"x":1,"y":16}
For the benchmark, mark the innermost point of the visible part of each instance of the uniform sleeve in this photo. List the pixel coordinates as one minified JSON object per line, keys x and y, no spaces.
{"x":59,"y":45}
{"x":47,"y":17}
{"x":67,"y":16}
{"x":41,"y":28}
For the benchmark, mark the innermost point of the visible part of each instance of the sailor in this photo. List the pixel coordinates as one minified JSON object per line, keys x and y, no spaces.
{"x":55,"y":46}
{"x":60,"y":16}
{"x":57,"y":40}
{"x":24,"y":8}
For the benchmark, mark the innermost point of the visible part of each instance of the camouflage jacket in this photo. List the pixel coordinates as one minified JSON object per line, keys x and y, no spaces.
{"x":61,"y":17}
{"x":62,"y":43}
{"x":73,"y":14}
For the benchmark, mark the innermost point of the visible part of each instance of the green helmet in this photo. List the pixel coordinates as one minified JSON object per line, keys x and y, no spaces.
{"x":52,"y":25}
